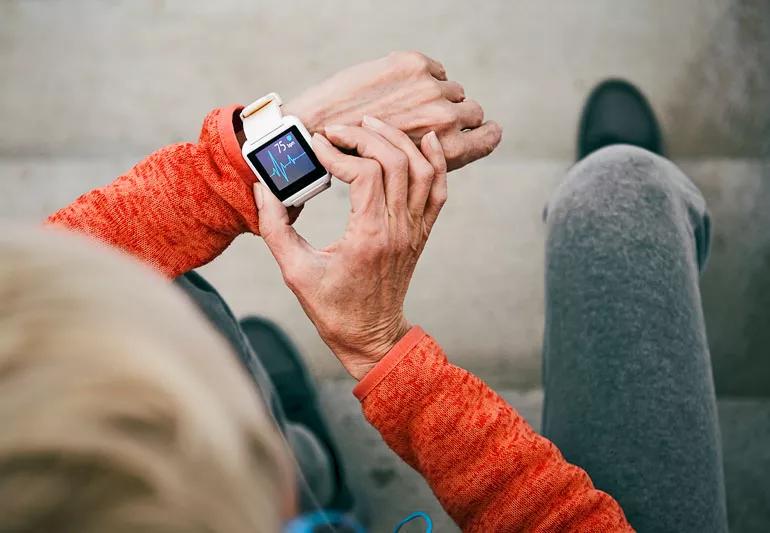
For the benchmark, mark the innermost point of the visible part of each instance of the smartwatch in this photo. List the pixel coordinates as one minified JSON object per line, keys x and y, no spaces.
{"x":278,"y":150}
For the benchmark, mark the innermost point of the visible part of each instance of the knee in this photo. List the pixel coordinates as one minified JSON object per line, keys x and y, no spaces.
{"x":620,"y":160}
{"x":623,"y":192}
{"x":623,"y":179}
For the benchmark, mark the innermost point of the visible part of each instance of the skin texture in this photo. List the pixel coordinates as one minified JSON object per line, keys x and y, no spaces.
{"x":353,"y":290}
{"x":409,"y":91}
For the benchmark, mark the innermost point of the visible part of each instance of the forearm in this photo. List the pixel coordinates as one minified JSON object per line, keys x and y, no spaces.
{"x":487,"y":466}
{"x":179,"y":208}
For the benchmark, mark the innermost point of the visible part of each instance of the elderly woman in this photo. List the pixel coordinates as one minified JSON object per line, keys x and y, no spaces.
{"x":178,"y":210}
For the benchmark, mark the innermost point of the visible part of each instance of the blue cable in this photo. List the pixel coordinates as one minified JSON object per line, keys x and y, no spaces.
{"x":307,"y":523}
{"x":413,"y":516}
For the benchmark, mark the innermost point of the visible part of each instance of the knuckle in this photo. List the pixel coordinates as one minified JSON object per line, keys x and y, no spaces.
{"x":446,"y":116}
{"x":424,"y":171}
{"x":440,"y":196}
{"x":409,"y":60}
{"x":369,"y":168}
{"x":337,"y":167}
{"x":477,"y":112}
{"x":340,"y":167}
{"x":415,"y":59}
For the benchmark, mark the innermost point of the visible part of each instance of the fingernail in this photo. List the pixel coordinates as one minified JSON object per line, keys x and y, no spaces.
{"x":334,"y":128}
{"x":433,"y":141}
{"x":258,"y":195}
{"x":372,"y":121}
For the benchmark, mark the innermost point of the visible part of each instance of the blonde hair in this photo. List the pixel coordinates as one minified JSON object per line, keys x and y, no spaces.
{"x":121,"y":409}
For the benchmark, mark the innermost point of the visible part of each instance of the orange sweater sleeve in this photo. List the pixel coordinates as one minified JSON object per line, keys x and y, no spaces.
{"x":179,"y":208}
{"x":488,"y":468}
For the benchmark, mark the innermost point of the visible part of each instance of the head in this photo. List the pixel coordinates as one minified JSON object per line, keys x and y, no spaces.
{"x":121,"y":409}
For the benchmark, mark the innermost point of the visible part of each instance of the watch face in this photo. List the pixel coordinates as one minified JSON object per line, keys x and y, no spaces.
{"x":286,"y":163}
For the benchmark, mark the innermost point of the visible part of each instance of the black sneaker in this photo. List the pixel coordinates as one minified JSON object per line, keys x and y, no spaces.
{"x":297,"y":392}
{"x":618,"y":113}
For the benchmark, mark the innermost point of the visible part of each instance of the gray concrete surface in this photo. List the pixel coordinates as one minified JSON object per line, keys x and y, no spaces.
{"x":745,"y":424}
{"x":87,"y":87}
{"x":132,"y":75}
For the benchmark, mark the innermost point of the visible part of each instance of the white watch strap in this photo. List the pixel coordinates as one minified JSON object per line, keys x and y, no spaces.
{"x":262,"y":116}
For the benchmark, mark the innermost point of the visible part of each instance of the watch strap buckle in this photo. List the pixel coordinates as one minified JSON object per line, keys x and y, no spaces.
{"x":262,"y":116}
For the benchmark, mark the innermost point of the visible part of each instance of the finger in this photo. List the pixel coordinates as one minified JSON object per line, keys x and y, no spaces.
{"x":468,"y":146}
{"x":452,"y":91}
{"x":422,"y":61}
{"x":469,"y":114}
{"x":363,"y":175}
{"x":434,"y":153}
{"x":287,"y":246}
{"x":371,"y":145}
{"x":420,"y":170}
{"x":436,"y":69}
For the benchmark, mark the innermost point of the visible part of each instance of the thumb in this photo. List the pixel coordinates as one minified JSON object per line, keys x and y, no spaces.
{"x":286,"y":245}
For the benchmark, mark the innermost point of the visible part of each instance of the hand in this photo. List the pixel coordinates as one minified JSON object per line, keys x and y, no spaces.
{"x":353,"y":291}
{"x":409,"y":91}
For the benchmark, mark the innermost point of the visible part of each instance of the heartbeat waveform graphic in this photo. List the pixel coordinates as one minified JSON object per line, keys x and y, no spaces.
{"x":280,"y":168}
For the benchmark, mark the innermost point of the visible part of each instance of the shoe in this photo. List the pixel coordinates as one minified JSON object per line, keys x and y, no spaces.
{"x":616,"y":112}
{"x":297,"y":393}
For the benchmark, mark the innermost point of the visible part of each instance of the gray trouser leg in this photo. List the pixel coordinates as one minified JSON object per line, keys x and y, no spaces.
{"x":629,"y":394}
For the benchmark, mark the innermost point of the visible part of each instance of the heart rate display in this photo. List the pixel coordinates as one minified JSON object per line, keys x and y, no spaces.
{"x":285,"y":160}
{"x":286,"y":163}
{"x":279,"y":169}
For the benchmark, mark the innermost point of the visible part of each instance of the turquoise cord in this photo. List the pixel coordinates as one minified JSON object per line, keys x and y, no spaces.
{"x":413,"y":516}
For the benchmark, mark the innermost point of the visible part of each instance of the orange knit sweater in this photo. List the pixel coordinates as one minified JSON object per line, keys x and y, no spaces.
{"x":183,"y":205}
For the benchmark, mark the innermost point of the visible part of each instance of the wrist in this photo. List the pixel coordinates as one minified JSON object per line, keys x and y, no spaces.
{"x":312,"y":109}
{"x":309,"y":113}
{"x":360,"y":360}
{"x":310,"y":116}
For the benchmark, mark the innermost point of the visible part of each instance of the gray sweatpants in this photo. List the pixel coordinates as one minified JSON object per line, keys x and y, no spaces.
{"x":629,"y":394}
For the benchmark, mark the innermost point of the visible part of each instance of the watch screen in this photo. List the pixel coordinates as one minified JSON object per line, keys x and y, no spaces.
{"x":287,"y":163}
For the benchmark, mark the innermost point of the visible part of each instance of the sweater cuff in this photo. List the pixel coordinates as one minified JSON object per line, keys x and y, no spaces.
{"x":231,"y":145}
{"x":389,"y":362}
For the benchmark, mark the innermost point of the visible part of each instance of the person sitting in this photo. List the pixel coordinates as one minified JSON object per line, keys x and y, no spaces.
{"x":183,"y":205}
{"x":627,"y":233}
